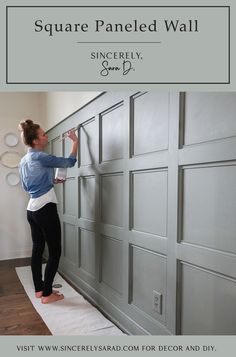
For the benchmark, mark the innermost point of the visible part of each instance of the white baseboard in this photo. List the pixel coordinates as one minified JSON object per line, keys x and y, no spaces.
{"x":15,"y":254}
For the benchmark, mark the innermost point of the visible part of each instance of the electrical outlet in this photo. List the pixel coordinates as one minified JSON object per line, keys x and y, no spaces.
{"x":157,"y":302}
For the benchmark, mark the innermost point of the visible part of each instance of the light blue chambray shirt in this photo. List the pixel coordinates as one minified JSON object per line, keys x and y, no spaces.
{"x":37,"y":171}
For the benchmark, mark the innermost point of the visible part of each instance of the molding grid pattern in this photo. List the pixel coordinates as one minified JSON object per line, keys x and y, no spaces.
{"x":148,"y":210}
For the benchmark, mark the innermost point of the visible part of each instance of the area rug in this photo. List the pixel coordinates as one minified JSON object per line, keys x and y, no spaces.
{"x":71,"y":316}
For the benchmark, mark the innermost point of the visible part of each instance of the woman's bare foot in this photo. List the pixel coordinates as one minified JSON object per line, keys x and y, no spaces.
{"x":39,"y":294}
{"x":51,"y":298}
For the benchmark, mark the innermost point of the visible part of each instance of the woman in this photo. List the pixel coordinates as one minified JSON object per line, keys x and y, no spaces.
{"x":37,"y":177}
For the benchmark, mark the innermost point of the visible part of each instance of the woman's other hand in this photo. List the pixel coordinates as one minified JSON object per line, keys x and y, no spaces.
{"x":58,"y":181}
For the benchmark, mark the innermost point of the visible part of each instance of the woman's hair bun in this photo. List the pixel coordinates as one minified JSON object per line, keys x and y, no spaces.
{"x":29,"y":131}
{"x":25,"y":124}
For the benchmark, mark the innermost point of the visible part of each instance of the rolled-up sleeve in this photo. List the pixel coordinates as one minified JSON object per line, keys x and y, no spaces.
{"x":55,"y":161}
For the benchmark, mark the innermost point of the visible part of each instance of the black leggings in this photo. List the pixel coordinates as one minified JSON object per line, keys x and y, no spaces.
{"x":45,"y":227}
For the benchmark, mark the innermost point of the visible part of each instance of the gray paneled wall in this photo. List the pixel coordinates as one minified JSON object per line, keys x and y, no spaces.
{"x":148,"y":212}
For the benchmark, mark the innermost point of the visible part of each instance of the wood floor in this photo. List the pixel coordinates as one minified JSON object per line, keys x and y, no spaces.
{"x":17,"y":314}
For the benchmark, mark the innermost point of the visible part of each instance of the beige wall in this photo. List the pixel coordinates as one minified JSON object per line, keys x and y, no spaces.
{"x":15,"y":238}
{"x":57,"y":106}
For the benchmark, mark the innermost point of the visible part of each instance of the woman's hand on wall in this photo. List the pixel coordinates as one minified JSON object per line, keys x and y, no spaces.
{"x":72,"y":135}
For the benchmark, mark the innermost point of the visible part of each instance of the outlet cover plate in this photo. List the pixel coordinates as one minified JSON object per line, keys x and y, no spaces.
{"x":157,"y":302}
